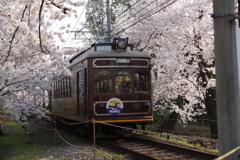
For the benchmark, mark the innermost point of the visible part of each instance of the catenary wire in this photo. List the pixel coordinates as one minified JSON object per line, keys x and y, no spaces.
{"x":74,"y":26}
{"x":117,"y":26}
{"x":145,"y":18}
{"x":148,"y":12}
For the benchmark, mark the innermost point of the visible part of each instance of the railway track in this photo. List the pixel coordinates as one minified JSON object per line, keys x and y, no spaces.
{"x":141,"y":148}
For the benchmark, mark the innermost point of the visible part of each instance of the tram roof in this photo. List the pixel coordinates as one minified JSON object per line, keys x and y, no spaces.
{"x":109,"y":54}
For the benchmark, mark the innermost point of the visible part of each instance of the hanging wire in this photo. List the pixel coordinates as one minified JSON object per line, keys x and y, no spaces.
{"x":147,"y":5}
{"x":74,"y":26}
{"x":147,"y":15}
{"x":80,"y":147}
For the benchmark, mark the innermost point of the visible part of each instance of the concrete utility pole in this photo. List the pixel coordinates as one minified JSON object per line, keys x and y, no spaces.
{"x":108,"y":22}
{"x":228,"y":109}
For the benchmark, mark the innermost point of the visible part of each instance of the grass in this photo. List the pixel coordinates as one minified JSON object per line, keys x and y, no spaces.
{"x":185,"y":143}
{"x":181,"y":130}
{"x":114,"y":156}
{"x":17,"y":145}
{"x":197,"y":145}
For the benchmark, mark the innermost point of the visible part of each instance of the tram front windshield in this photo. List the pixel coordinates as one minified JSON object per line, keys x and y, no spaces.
{"x":121,"y":81}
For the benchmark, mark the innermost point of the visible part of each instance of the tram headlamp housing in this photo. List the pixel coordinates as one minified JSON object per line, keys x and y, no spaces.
{"x":120,"y":44}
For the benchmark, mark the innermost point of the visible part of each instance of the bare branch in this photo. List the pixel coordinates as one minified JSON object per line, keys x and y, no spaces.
{"x":39,"y":26}
{"x":64,"y":9}
{"x":13,"y":37}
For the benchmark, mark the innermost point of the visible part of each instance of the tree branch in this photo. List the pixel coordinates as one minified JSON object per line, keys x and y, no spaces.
{"x":13,"y":37}
{"x":39,"y":26}
{"x":64,"y":9}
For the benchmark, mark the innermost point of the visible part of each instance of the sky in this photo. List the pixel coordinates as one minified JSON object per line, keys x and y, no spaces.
{"x":73,"y":23}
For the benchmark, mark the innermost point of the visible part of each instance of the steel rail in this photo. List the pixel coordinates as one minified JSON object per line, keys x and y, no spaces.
{"x":185,"y":150}
{"x":152,"y":151}
{"x":125,"y":150}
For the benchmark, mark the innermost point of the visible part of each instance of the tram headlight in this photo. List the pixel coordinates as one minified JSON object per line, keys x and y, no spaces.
{"x":121,"y":43}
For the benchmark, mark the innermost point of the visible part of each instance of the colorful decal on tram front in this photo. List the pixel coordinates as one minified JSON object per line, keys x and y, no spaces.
{"x":114,"y":106}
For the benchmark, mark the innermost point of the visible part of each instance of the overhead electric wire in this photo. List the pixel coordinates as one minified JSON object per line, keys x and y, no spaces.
{"x":147,"y":16}
{"x":74,"y":26}
{"x":135,"y":13}
{"x":136,"y":20}
{"x":57,"y":25}
{"x":131,"y":7}
{"x":77,"y":31}
{"x":98,"y":34}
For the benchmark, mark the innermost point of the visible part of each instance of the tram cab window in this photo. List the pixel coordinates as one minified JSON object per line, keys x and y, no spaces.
{"x":102,"y":81}
{"x":123,"y":82}
{"x":141,"y":81}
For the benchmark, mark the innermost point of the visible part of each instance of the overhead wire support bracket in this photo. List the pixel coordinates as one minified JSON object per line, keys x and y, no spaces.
{"x":227,"y":14}
{"x":218,"y":15}
{"x":96,"y":2}
{"x":83,"y":31}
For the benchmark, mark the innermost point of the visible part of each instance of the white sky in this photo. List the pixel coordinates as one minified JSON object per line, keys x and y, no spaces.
{"x":76,"y":23}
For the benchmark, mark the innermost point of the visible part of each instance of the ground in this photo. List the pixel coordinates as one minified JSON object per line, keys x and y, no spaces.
{"x":38,"y":140}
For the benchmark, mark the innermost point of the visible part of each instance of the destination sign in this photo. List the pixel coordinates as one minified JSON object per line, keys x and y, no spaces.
{"x":123,"y":60}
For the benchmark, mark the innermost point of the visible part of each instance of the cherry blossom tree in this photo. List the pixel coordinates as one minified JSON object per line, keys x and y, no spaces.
{"x":29,"y":59}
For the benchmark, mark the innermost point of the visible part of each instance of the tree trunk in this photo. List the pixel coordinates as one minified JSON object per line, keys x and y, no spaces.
{"x":210,"y":103}
{"x":1,"y":132}
{"x":169,"y":124}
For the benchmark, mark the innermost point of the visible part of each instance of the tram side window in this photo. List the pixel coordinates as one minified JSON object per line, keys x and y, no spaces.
{"x":62,"y":88}
{"x":69,"y":87}
{"x":102,"y":81}
{"x":141,"y":81}
{"x":123,"y":82}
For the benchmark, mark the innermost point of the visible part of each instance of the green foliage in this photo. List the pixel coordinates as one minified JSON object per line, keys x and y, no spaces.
{"x":97,"y":19}
{"x":159,"y":115}
{"x":185,"y":142}
{"x":114,"y":156}
{"x":17,"y":145}
{"x":198,"y":145}
{"x":120,"y":6}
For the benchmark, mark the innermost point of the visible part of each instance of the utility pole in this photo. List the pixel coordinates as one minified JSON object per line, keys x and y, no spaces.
{"x":227,"y":80}
{"x":108,"y":22}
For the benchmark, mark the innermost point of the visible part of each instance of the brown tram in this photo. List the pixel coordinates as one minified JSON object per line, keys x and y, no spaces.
{"x":110,"y":83}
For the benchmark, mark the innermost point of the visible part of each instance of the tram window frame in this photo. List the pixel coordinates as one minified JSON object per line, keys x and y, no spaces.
{"x":80,"y":83}
{"x":69,"y":87}
{"x":63,"y":88}
{"x":142,"y":82}
{"x":58,"y":90}
{"x":132,"y":89}
{"x":101,"y":84}
{"x":124,"y":83}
